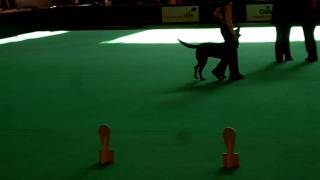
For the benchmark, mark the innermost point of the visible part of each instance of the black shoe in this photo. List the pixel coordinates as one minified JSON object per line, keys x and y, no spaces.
{"x":288,"y":58}
{"x":236,"y":77}
{"x":279,"y":60}
{"x":218,"y":75}
{"x":311,"y":59}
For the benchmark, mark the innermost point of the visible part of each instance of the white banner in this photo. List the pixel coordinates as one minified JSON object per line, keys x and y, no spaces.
{"x":259,"y":12}
{"x":180,"y":14}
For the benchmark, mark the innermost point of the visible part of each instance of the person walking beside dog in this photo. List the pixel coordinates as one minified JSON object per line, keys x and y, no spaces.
{"x":223,"y":13}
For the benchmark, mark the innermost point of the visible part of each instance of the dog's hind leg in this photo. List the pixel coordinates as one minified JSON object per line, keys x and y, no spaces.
{"x":201,"y":67}
{"x":196,"y":67}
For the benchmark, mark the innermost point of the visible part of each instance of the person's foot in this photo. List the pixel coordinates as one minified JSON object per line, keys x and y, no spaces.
{"x":288,"y":58}
{"x":236,"y":77}
{"x":279,"y":59}
{"x":219,"y":76}
{"x":311,"y":59}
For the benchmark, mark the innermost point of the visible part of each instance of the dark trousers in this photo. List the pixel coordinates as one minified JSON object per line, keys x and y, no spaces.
{"x":282,"y":45}
{"x":231,"y":54}
{"x":309,"y":25}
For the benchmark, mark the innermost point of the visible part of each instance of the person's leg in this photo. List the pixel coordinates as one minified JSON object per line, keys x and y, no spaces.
{"x":219,"y":70}
{"x":286,"y":42}
{"x":279,"y":43}
{"x":310,"y":43}
{"x":234,"y":66}
{"x":231,"y":55}
{"x":282,"y":45}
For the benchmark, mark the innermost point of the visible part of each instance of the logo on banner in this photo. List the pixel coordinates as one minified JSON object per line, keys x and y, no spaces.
{"x":180,"y":14}
{"x":259,"y":12}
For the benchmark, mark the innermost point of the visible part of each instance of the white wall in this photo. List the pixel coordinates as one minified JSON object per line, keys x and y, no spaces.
{"x":33,"y":3}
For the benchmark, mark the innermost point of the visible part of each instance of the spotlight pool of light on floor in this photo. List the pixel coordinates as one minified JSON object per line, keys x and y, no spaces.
{"x":170,"y":36}
{"x":32,"y":35}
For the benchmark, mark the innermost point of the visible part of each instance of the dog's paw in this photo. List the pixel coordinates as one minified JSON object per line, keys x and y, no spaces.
{"x":219,"y":76}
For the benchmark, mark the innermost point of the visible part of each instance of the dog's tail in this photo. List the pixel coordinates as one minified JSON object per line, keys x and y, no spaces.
{"x":187,"y":44}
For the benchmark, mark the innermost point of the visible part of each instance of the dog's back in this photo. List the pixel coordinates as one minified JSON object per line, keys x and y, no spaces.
{"x":215,"y":50}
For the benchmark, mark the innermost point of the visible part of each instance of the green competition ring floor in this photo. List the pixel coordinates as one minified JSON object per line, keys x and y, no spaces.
{"x":57,"y":90}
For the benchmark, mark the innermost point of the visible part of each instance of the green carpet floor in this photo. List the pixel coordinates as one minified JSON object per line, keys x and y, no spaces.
{"x":56,"y":91}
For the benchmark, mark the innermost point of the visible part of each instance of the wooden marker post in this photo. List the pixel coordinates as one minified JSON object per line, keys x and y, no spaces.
{"x":230,"y":159}
{"x":105,"y":154}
